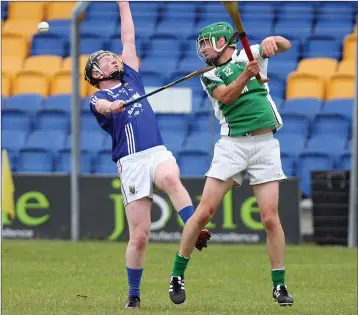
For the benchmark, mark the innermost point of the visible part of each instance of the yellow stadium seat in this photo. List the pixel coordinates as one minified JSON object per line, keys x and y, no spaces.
{"x":350,"y":46}
{"x":67,"y":63}
{"x":59,"y":10}
{"x":5,"y":84}
{"x":91,"y":89}
{"x":14,"y":45}
{"x":33,"y":11}
{"x":340,"y":86}
{"x":304,"y":85}
{"x":45,"y":64}
{"x":346,"y":67}
{"x":11,"y":64}
{"x":322,"y":67}
{"x":61,"y":83}
{"x":27,"y":81}
{"x":23,"y":27}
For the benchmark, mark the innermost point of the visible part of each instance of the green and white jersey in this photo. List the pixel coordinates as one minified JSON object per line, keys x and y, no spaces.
{"x":254,"y":109}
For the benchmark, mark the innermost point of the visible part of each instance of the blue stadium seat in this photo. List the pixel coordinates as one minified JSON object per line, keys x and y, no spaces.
{"x":311,"y":161}
{"x":154,"y":63}
{"x":102,"y":11}
{"x":170,"y":27}
{"x":328,"y":124}
{"x":277,"y":85}
{"x":25,"y":102}
{"x":185,"y":11}
{"x":103,"y":164}
{"x":60,"y":28}
{"x":339,"y":107}
{"x":85,"y":103}
{"x":204,"y":121}
{"x":305,"y":106}
{"x":344,"y":9}
{"x":337,"y":29}
{"x":345,"y":161}
{"x":214,"y":11}
{"x":143,"y":9}
{"x":190,"y":63}
{"x":291,"y":143}
{"x":107,"y":143}
{"x":173,"y":140}
{"x":298,"y":29}
{"x":197,"y":104}
{"x":61,"y":102}
{"x":193,"y":162}
{"x":281,"y":68}
{"x":150,"y":78}
{"x":293,"y":10}
{"x":194,"y":83}
{"x":50,"y":140}
{"x":13,"y":139}
{"x":63,"y":161}
{"x":104,"y":29}
{"x":88,"y":121}
{"x":15,"y":120}
{"x":4,"y":8}
{"x":91,"y":141}
{"x":145,"y":26}
{"x":90,"y":43}
{"x":47,"y":44}
{"x":169,"y":48}
{"x":322,"y":46}
{"x":35,"y":161}
{"x":202,"y":139}
{"x":177,"y":122}
{"x":295,"y":124}
{"x":349,"y":146}
{"x":288,"y":164}
{"x":293,"y":54}
{"x":3,"y":101}
{"x":329,"y":144}
{"x":257,"y":32}
{"x":260,"y":9}
{"x":52,"y":119}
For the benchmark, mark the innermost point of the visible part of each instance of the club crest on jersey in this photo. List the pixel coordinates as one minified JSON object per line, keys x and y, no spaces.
{"x":132,"y":190}
{"x":136,"y":108}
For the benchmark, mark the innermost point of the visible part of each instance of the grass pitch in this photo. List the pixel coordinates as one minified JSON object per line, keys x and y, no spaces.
{"x":54,"y":277}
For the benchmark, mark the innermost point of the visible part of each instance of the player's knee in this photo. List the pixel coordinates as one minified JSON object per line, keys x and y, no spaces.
{"x":270,"y":220}
{"x":139,"y":241}
{"x":206,"y":211}
{"x":171,"y":182}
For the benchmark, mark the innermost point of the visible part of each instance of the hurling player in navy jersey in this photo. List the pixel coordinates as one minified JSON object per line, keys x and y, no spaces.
{"x":143,"y":161}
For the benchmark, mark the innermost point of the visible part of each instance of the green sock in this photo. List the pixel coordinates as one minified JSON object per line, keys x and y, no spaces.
{"x":180,"y":265}
{"x":278,"y":276}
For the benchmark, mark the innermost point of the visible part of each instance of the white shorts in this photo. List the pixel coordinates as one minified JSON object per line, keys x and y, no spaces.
{"x":259,"y":156}
{"x":136,"y":172}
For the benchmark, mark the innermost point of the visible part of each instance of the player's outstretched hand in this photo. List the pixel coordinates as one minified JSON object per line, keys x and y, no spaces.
{"x":252,"y":68}
{"x":202,"y":240}
{"x":269,"y":46}
{"x":117,"y":107}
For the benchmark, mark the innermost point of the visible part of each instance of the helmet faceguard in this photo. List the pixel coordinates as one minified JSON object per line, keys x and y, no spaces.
{"x":209,"y":36}
{"x":93,"y":65}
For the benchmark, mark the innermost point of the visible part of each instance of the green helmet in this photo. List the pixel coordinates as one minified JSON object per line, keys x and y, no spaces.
{"x":213,"y":32}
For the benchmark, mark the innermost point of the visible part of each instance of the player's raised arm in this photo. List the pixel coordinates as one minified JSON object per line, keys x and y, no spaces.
{"x":129,"y":54}
{"x":274,"y":45}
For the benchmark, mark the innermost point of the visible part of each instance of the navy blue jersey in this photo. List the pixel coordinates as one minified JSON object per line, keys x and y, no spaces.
{"x":136,"y":128}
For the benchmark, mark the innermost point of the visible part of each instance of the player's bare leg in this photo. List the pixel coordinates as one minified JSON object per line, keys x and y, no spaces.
{"x":267,"y":195}
{"x":214,"y":192}
{"x":138,"y":217}
{"x":167,"y":179}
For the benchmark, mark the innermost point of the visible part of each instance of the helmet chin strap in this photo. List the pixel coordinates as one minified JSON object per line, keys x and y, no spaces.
{"x":220,"y":51}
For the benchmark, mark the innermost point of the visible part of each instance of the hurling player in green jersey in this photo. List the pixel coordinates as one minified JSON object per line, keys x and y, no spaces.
{"x":248,"y":118}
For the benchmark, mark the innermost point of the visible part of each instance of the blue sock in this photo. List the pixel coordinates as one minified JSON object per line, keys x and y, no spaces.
{"x":134,"y":278}
{"x":186,"y":213}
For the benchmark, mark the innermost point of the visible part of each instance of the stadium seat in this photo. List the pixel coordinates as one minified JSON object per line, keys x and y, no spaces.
{"x":173,"y":140}
{"x":25,"y":102}
{"x":302,"y":85}
{"x":61,"y":83}
{"x":24,"y":28}
{"x":143,"y":9}
{"x":52,"y":119}
{"x":59,"y":10}
{"x":88,"y":121}
{"x":102,"y":11}
{"x":213,"y":11}
{"x":299,"y":29}
{"x":295,"y":123}
{"x":193,"y":162}
{"x":345,"y":161}
{"x":11,"y":64}
{"x":164,"y":48}
{"x":35,"y":161}
{"x":329,"y":144}
{"x":15,"y":120}
{"x":281,"y":68}
{"x":30,"y":11}
{"x":305,"y":106}
{"x":90,"y":43}
{"x":323,"y":47}
{"x":49,"y":44}
{"x":308,"y":162}
{"x":328,"y":124}
{"x":291,"y":143}
{"x":201,"y":139}
{"x":204,"y":121}
{"x":4,"y":9}
{"x":293,"y":54}
{"x":67,"y":63}
{"x":14,"y":45}
{"x":350,"y":47}
{"x":288,"y":164}
{"x":177,"y":122}
{"x":338,"y":9}
{"x":185,"y":11}
{"x":60,"y":27}
{"x":340,"y":86}
{"x":13,"y":139}
{"x":339,"y":107}
{"x":61,"y":102}
{"x":292,"y":10}
{"x":27,"y":81}
{"x":114,"y":44}
{"x":90,"y":90}
{"x":5,"y":84}
{"x":277,"y":85}
{"x":104,"y":29}
{"x":154,"y":79}
{"x":63,"y":161}
{"x":103,"y":163}
{"x":145,"y":26}
{"x":170,"y":27}
{"x":44,"y":64}
{"x":190,"y":63}
{"x":337,"y":28}
{"x":91,"y":141}
{"x":346,"y":67}
{"x":322,"y":67}
{"x":50,"y":140}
